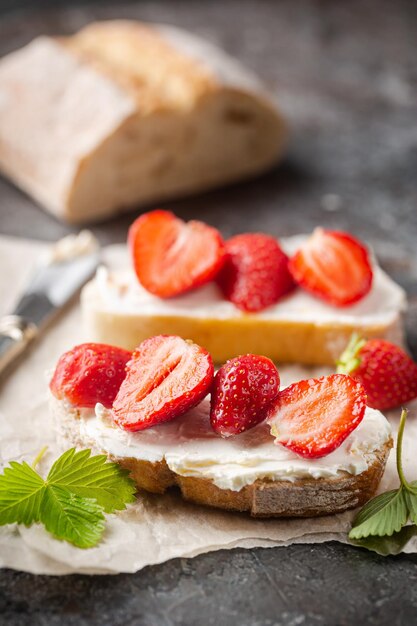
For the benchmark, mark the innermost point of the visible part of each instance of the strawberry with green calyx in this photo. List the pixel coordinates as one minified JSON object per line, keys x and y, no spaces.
{"x":387,"y":373}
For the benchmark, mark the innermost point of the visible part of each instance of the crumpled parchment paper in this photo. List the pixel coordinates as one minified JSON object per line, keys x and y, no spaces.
{"x":156,"y":528}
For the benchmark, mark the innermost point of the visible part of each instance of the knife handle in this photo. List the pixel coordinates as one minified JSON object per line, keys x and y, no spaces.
{"x":15,"y":335}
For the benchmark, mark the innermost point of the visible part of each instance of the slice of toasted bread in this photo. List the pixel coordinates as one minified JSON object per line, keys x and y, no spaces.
{"x":303,"y":497}
{"x":298,"y":329}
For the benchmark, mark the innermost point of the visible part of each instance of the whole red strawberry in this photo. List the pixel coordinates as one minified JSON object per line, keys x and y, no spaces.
{"x":333,"y":266}
{"x":313,"y":417}
{"x":170,"y":256}
{"x":387,"y":373}
{"x":90,"y":373}
{"x":255,"y":273}
{"x":166,"y":377}
{"x":243,"y":390}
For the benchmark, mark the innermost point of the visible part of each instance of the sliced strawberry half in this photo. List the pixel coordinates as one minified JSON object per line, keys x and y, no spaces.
{"x":166,"y":377}
{"x":243,"y":390}
{"x":255,"y":273}
{"x":334,"y":266}
{"x":170,"y":256}
{"x":313,"y":417}
{"x":90,"y":373}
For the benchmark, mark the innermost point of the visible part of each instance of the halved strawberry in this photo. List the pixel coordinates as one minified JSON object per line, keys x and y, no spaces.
{"x":166,"y":377}
{"x":334,"y":266}
{"x":170,"y":256}
{"x":387,"y":373}
{"x":90,"y":373}
{"x":313,"y":417}
{"x":255,"y":273}
{"x":243,"y":390}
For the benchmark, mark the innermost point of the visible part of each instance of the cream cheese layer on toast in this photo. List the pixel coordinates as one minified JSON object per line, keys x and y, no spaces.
{"x":299,"y":328}
{"x":191,"y":448}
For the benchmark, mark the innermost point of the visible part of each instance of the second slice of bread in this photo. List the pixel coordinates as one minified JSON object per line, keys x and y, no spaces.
{"x":298,"y":329}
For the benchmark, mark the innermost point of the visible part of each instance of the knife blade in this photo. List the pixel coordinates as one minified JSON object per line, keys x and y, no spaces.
{"x":70,"y":263}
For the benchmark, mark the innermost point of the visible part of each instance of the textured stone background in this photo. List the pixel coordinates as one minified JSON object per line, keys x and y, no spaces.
{"x":345,"y":74}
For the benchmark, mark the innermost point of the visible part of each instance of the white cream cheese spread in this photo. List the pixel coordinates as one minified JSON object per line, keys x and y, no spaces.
{"x":191,"y":448}
{"x":118,"y":291}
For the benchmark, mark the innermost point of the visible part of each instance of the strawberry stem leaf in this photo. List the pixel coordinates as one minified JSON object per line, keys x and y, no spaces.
{"x":349,"y":360}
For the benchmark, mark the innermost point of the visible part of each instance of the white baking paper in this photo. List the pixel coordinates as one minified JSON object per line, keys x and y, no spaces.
{"x":156,"y":528}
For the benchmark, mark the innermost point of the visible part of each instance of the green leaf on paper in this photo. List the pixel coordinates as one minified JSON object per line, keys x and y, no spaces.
{"x":93,"y":477}
{"x":383,"y":515}
{"x":21,"y":493}
{"x":394,"y":544}
{"x":381,"y":524}
{"x":78,"y":520}
{"x":71,"y":502}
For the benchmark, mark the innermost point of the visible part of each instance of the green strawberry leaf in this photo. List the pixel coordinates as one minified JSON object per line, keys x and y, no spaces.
{"x":388,"y":545}
{"x":78,"y":520}
{"x":72,"y":501}
{"x":382,"y":515}
{"x":93,"y":477}
{"x":21,"y":493}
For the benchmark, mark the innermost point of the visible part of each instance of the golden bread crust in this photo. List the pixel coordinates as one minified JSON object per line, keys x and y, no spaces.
{"x":142,"y":62}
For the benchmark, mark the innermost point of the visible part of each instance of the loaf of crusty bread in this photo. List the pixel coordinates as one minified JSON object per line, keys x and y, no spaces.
{"x":124,"y":113}
{"x":305,"y":497}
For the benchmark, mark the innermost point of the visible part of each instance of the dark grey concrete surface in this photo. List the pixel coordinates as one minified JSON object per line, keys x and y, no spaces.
{"x":345,"y":74}
{"x":295,"y":586}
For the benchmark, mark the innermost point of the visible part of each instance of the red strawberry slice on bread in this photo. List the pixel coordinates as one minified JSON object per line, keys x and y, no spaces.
{"x":313,"y":417}
{"x":333,"y":266}
{"x":170,"y":256}
{"x":387,"y":373}
{"x":243,"y":390}
{"x":255,"y":273}
{"x":90,"y":373}
{"x":166,"y":377}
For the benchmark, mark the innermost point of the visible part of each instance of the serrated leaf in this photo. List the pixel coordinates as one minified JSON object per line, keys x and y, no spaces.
{"x":72,"y":518}
{"x":93,"y":477}
{"x":21,"y":493}
{"x":387,"y":545}
{"x":382,"y":515}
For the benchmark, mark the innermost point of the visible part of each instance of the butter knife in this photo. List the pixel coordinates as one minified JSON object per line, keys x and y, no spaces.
{"x":67,"y":266}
